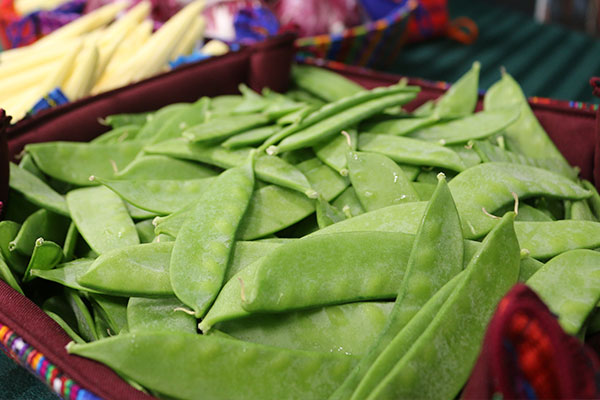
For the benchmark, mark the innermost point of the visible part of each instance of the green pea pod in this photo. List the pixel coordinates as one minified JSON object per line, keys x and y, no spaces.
{"x":423,"y":370}
{"x":424,"y":190}
{"x":158,"y":315}
{"x":324,"y":84}
{"x":580,"y":210}
{"x":60,"y":311}
{"x":435,"y":258}
{"x":187,"y":117}
{"x":252,"y":102}
{"x":467,"y":154}
{"x":333,"y":152}
{"x":74,"y":162}
{"x":250,"y":138}
{"x":101,"y":218}
{"x":42,"y":223}
{"x":163,"y":168}
{"x":349,"y":203}
{"x":472,"y":127}
{"x":225,"y":103}
{"x":7,"y":276}
{"x":159,"y":196}
{"x":594,"y":200}
{"x":140,"y":270}
{"x":411,"y":151}
{"x":118,"y":135}
{"x":325,"y":269}
{"x":378,"y":181}
{"x":145,"y":230}
{"x":156,"y":120}
{"x":460,"y":100}
{"x":327,"y":329}
{"x":137,"y":213}
{"x":398,"y":126}
{"x":345,"y":119}
{"x":304,"y":96}
{"x":118,"y":120}
{"x":489,"y":186}
{"x":242,"y":371}
{"x":37,"y":191}
{"x":70,"y":242}
{"x":85,"y":322}
{"x":526,"y":135}
{"x":46,"y":255}
{"x":220,"y":129}
{"x":113,"y":310}
{"x":569,"y":285}
{"x":402,"y":342}
{"x":15,"y":261}
{"x":67,"y":273}
{"x":28,"y":165}
{"x":295,"y":117}
{"x":327,"y":214}
{"x":203,"y":246}
{"x":245,"y":253}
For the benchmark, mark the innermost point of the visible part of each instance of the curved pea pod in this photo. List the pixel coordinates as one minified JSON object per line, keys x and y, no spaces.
{"x":333,"y":152}
{"x":283,"y":174}
{"x":37,"y":191}
{"x":67,"y":273}
{"x":440,"y":361}
{"x":7,"y":276}
{"x":328,"y":269}
{"x":46,"y":255}
{"x":187,"y":117}
{"x":472,"y":127}
{"x":331,"y":126}
{"x":581,"y":211}
{"x":116,"y":121}
{"x":225,"y":103}
{"x":489,"y":186}
{"x":435,"y":258}
{"x":112,"y":309}
{"x":28,"y":165}
{"x":525,"y":135}
{"x":74,"y":162}
{"x":327,"y":214}
{"x":101,"y":218}
{"x":569,"y":284}
{"x":467,"y":154}
{"x":460,"y":100}
{"x":403,"y":340}
{"x":137,"y":213}
{"x":148,"y":315}
{"x":118,"y":135}
{"x":399,"y":126}
{"x":324,"y":84}
{"x":218,"y":368}
{"x":245,"y":253}
{"x":145,"y":230}
{"x":156,"y":120}
{"x":140,"y":270}
{"x":594,"y":199}
{"x":424,"y":190}
{"x":71,"y":240}
{"x":411,"y":151}
{"x":250,"y":138}
{"x":162,"y":168}
{"x":159,"y":196}
{"x":378,"y":181}
{"x":60,"y":311}
{"x":42,"y":223}
{"x":203,"y":246}
{"x":219,"y":129}
{"x":349,"y":203}
{"x":85,"y":322}
{"x":15,"y":261}
{"x":327,"y":329}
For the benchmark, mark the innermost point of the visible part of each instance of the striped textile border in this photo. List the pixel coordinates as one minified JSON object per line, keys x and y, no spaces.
{"x":34,"y":361}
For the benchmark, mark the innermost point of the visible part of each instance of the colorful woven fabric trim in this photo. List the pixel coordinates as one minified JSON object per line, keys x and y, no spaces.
{"x":35,"y":362}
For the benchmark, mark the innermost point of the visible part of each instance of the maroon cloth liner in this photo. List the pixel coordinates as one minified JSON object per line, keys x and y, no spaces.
{"x":262,"y":65}
{"x":4,"y":170}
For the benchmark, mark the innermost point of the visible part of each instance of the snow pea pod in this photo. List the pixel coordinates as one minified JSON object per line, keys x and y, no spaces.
{"x":333,"y":152}
{"x":569,"y":284}
{"x":60,"y":311}
{"x":163,"y":168}
{"x":118,"y":120}
{"x":156,"y":120}
{"x":594,"y":199}
{"x":378,"y":181}
{"x":327,"y":329}
{"x":349,"y":203}
{"x":525,"y":135}
{"x":28,"y":165}
{"x":158,"y":315}
{"x":322,"y":270}
{"x":489,"y":186}
{"x":187,"y":117}
{"x":145,"y":230}
{"x":203,"y":246}
{"x":36,"y":191}
{"x":435,"y":258}
{"x":42,"y":223}
{"x":101,"y":218}
{"x":324,"y":84}
{"x":75,"y":162}
{"x":472,"y":127}
{"x":460,"y":100}
{"x":580,"y":210}
{"x":218,"y":368}
{"x":159,"y":196}
{"x":118,"y":135}
{"x":67,"y":273}
{"x":411,"y":151}
{"x":327,"y":214}
{"x":46,"y":255}
{"x":220,"y":129}
{"x":85,"y":322}
{"x":70,"y":242}
{"x":440,"y":361}
{"x":398,"y":126}
{"x":345,"y":119}
{"x":250,"y":138}
{"x":245,"y":253}
{"x":7,"y":276}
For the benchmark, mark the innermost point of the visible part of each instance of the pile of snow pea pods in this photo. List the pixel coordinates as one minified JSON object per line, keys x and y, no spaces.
{"x":323,"y":243}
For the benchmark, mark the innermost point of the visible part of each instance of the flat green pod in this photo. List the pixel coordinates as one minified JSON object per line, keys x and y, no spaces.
{"x":157,"y":119}
{"x":324,"y":84}
{"x":118,"y":120}
{"x":398,"y":126}
{"x":251,"y":137}
{"x":46,"y":255}
{"x":118,"y":135}
{"x":569,"y":284}
{"x":37,"y":191}
{"x":218,"y":368}
{"x":460,"y":100}
{"x":7,"y":276}
{"x":41,"y":224}
{"x":159,"y":315}
{"x":75,"y":162}
{"x":156,"y":167}
{"x":349,"y":203}
{"x":101,"y":218}
{"x":67,"y":273}
{"x":113,"y":310}
{"x":219,"y":129}
{"x":333,"y":152}
{"x":15,"y":261}
{"x":327,"y":329}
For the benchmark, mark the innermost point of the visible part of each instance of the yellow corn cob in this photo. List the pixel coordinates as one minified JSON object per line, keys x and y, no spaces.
{"x":192,"y":36}
{"x":156,"y":52}
{"x":129,"y":21}
{"x":215,"y":48}
{"x":18,"y":83}
{"x":14,"y":103}
{"x":26,"y":6}
{"x":87,"y":23}
{"x":33,"y":60}
{"x":81,"y":79}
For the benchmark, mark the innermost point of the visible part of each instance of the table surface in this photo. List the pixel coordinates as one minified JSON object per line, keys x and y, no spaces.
{"x":547,"y":60}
